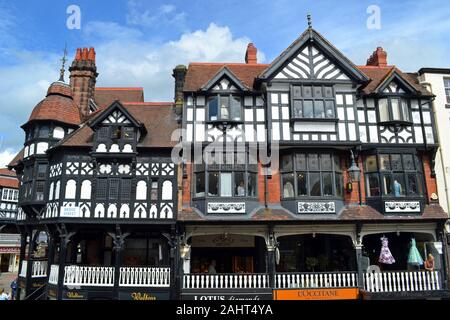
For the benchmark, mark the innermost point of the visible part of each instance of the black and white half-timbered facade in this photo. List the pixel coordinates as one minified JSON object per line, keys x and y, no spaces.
{"x":103,"y":191}
{"x":348,"y":159}
{"x":293,"y":176}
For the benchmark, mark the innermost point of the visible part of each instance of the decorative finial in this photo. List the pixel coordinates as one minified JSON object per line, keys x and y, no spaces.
{"x":309,"y":20}
{"x":63,"y":60}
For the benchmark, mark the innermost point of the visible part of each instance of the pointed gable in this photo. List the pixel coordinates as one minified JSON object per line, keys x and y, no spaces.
{"x":115,"y":114}
{"x":224,"y":79}
{"x":394,"y":83}
{"x":312,"y":57}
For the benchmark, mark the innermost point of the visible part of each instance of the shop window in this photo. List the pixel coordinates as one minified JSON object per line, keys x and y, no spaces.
{"x":313,"y":175}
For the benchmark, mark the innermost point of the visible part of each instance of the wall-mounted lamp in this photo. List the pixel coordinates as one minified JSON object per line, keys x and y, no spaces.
{"x":354,"y":173}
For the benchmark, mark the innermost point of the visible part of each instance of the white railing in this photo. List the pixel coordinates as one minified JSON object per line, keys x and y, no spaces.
{"x":89,"y":276}
{"x":39,"y":269}
{"x":54,"y":272}
{"x":23,"y":270}
{"x":402,"y":281}
{"x":226,"y":281}
{"x":316,"y":280}
{"x":144,"y":277}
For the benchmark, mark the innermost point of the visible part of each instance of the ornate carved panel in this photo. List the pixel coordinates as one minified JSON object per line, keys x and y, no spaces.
{"x":402,"y":206}
{"x":316,"y":207}
{"x":226,"y":207}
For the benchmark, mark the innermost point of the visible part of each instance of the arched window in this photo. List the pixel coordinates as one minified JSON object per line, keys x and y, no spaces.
{"x":57,"y":188}
{"x":86,"y":188}
{"x":71,"y":189}
{"x":58,"y":133}
{"x":141,"y":190}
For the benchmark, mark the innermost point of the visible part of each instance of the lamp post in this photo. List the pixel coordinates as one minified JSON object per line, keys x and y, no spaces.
{"x":354,"y":174}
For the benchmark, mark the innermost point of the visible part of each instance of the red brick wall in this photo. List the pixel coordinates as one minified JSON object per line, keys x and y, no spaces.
{"x":430,"y":182}
{"x":352,"y":197}
{"x":187,"y":185}
{"x":273,"y":185}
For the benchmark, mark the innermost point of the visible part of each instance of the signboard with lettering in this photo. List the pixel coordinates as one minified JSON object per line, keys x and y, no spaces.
{"x":226,"y":294}
{"x":141,"y":295}
{"x":75,"y":295}
{"x":316,"y":294}
{"x":223,"y":241}
{"x":70,"y":212}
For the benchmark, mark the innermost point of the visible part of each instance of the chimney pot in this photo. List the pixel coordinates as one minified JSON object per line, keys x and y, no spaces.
{"x":91,"y":55}
{"x":378,"y":58}
{"x":85,"y":54}
{"x":250,"y":54}
{"x":78,"y":54}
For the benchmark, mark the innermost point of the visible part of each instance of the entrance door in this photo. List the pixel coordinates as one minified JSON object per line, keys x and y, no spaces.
{"x":4,"y":264}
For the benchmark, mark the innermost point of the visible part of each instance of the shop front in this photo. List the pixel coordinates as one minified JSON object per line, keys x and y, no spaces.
{"x":9,"y":259}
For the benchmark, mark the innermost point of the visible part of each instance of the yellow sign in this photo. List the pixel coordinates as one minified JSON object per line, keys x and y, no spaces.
{"x":317,"y":294}
{"x":142,"y":296}
{"x":74,"y":295}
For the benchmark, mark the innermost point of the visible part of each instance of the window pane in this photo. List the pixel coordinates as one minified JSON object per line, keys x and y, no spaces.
{"x":396,"y":162}
{"x":125,"y":190}
{"x":405,"y":110}
{"x":288,"y":185}
{"x":325,"y":162}
{"x":395,"y":109}
{"x":339,"y":185}
{"x":114,"y":189}
{"x":307,"y":92}
{"x":236,"y":108}
{"x":302,"y":188}
{"x":413,"y":188}
{"x":337,"y":163}
{"x":319,"y":111}
{"x":101,"y":188}
{"x":329,"y":109}
{"x":225,"y":185}
{"x":308,"y":109}
{"x":154,"y":191}
{"x":251,"y":184}
{"x":128,"y":132}
{"x":313,"y":162}
{"x":213,"y":184}
{"x":387,"y":184}
{"x":43,"y":132}
{"x":384,"y":162}
{"x":328,"y":92}
{"x":297,"y":112}
{"x":373,"y":185}
{"x":418,"y":163}
{"x":239,"y":184}
{"x":419,"y":184}
{"x":224,"y":107}
{"x":408,"y":162}
{"x":213,"y":108}
{"x":200,"y":184}
{"x":314,"y":184}
{"x":327,"y":184}
{"x":371,"y":163}
{"x":286,"y":163}
{"x":317,"y":92}
{"x":384,"y":112}
{"x":399,"y":185}
{"x":300,"y":161}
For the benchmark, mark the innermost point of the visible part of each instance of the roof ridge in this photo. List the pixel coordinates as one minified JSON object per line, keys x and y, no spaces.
{"x":120,"y":88}
{"x":149,"y":103}
{"x":229,"y":63}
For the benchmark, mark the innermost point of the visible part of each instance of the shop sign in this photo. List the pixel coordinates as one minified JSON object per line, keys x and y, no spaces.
{"x":223,"y":241}
{"x":10,"y":250}
{"x":51,"y":293}
{"x":75,"y":295}
{"x":144,"y":296}
{"x":70,"y":212}
{"x":226,"y":295}
{"x":317,"y":294}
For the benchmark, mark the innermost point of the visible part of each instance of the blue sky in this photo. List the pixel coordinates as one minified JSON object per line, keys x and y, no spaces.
{"x":139,"y":42}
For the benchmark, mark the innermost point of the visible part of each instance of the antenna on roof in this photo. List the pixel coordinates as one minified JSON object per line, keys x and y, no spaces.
{"x":309,"y":20}
{"x":63,"y":60}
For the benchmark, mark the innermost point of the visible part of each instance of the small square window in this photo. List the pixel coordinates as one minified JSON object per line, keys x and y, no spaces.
{"x":307,"y":92}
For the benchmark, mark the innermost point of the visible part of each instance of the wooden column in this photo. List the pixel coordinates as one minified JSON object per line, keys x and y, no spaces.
{"x":358,"y":252}
{"x":118,"y":244}
{"x":64,"y":237}
{"x":29,"y":279}
{"x":174,"y":263}
{"x":444,"y":257}
{"x":271,"y":263}
{"x":50,"y":257}
{"x":23,"y":245}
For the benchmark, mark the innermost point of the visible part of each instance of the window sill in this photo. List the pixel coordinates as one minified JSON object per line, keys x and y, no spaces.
{"x":314,"y":119}
{"x":395,"y":123}
{"x":312,"y":198}
{"x":230,"y":199}
{"x":224,"y":122}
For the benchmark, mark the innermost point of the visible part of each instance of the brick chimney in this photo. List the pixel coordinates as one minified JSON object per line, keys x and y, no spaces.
{"x":250,"y":54}
{"x":378,"y":58}
{"x":83,"y":76}
{"x":179,"y":74}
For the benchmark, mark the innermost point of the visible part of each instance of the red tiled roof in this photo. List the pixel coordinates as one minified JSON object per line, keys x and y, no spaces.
{"x":198,"y":73}
{"x":8,"y":179}
{"x":379,"y":74}
{"x":158,"y":118}
{"x":103,"y":97}
{"x":58,"y":105}
{"x":17,"y":158}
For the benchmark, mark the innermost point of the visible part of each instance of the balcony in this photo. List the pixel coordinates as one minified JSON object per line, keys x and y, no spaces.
{"x":39,"y":269}
{"x":226,"y":281}
{"x":316,"y":280}
{"x":402,"y":281}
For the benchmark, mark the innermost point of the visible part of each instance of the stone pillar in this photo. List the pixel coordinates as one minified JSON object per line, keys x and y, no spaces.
{"x":358,"y":252}
{"x":271,"y":263}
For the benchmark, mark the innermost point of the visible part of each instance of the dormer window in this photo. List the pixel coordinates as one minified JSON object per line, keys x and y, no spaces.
{"x":393,"y":109}
{"x":225,"y":107}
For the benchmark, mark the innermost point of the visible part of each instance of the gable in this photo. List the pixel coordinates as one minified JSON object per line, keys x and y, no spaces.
{"x":310,"y":63}
{"x":116,"y":117}
{"x":113,"y":115}
{"x":224,"y":84}
{"x":224,"y":80}
{"x":394,"y":83}
{"x":311,"y":56}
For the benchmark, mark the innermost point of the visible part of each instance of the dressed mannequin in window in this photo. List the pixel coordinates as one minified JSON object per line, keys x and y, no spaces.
{"x":224,"y":112}
{"x":241,"y":189}
{"x":397,"y":189}
{"x":288,"y":190}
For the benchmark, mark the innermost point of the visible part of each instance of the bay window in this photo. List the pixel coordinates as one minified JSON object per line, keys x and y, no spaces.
{"x":313,"y":175}
{"x":393,"y":109}
{"x":395,"y":175}
{"x":226,"y":175}
{"x":313,"y":102}
{"x":225,"y":107}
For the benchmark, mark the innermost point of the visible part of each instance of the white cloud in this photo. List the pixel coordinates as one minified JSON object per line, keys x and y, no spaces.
{"x":6,"y":156}
{"x":167,"y":14}
{"x":137,"y":62}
